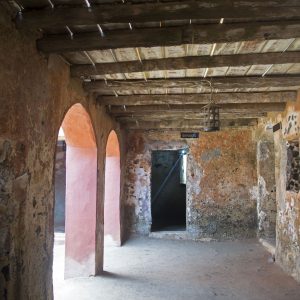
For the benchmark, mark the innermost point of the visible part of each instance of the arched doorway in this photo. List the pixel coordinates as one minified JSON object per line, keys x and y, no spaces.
{"x":112,"y":192}
{"x":80,"y":196}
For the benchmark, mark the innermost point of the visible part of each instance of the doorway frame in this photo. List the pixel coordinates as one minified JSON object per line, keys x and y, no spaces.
{"x":186,"y":185}
{"x":175,"y":146}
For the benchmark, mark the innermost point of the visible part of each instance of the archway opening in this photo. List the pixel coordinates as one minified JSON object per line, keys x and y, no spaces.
{"x":112,"y":192}
{"x":75,"y":197}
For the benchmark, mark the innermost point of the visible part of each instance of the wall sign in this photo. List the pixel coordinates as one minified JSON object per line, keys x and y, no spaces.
{"x":189,"y":135}
{"x":276,"y":127}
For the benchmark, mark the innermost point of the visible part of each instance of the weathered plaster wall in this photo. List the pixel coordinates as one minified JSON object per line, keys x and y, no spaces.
{"x":35,"y":94}
{"x":288,"y":202}
{"x":221,"y":180}
{"x":266,"y":197}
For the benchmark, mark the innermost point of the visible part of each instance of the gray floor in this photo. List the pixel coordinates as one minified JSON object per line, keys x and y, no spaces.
{"x":164,"y":269}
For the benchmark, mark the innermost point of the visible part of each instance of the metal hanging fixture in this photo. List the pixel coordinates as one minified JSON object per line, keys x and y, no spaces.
{"x":211,"y":118}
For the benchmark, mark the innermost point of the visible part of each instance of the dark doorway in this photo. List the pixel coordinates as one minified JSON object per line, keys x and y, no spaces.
{"x":60,"y":184}
{"x":168,"y":190}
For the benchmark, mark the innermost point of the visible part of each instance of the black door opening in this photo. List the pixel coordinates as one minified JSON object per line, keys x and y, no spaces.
{"x":168,"y":190}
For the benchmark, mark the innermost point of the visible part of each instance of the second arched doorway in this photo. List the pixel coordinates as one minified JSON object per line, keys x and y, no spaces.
{"x":112,"y":230}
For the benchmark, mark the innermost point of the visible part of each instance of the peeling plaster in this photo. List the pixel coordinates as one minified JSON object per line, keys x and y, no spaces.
{"x":253,"y":193}
{"x":288,"y":202}
{"x":211,"y":154}
{"x":219,"y":180}
{"x":266,"y":189}
{"x":27,"y":150}
{"x":291,"y":124}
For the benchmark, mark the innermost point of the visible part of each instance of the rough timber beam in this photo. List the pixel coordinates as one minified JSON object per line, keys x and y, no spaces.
{"x":183,"y":63}
{"x":230,"y":108}
{"x":155,"y":12}
{"x":221,"y":98}
{"x":187,"y":124}
{"x":219,"y":83}
{"x":169,"y":115}
{"x":170,"y":36}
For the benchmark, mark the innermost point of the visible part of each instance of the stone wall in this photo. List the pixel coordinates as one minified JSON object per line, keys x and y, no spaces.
{"x":35,"y":94}
{"x":266,"y":197}
{"x":221,"y":182}
{"x":293,"y":166}
{"x":288,"y":201}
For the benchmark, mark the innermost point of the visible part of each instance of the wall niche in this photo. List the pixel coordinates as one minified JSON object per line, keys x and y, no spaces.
{"x":293,"y":167}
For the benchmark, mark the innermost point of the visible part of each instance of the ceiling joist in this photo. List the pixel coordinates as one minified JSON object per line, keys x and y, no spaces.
{"x":170,"y":36}
{"x":183,"y":63}
{"x":220,"y":98}
{"x":230,"y":108}
{"x":219,"y":83}
{"x":170,"y":115}
{"x":156,"y":12}
{"x":187,"y":124}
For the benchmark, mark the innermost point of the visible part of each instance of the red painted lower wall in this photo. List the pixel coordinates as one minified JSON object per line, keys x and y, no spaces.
{"x":81,"y":178}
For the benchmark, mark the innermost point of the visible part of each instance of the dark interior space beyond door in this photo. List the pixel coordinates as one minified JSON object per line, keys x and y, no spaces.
{"x":60,"y":186}
{"x":168,"y":189}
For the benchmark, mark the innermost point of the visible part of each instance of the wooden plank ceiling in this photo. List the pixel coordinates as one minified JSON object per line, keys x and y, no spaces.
{"x":150,"y":62}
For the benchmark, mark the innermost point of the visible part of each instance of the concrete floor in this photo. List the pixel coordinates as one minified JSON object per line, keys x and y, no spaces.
{"x":147,"y":268}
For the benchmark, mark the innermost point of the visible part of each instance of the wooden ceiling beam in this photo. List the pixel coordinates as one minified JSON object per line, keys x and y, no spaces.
{"x":38,"y":4}
{"x":149,"y":12}
{"x":155,"y":12}
{"x":228,"y":82}
{"x":230,"y":108}
{"x":187,"y":124}
{"x":170,"y":36}
{"x":220,"y":98}
{"x":184,"y":63}
{"x":185,"y":116}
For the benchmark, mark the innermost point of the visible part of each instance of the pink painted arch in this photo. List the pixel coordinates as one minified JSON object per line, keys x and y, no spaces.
{"x":81,"y":190}
{"x":112,"y":191}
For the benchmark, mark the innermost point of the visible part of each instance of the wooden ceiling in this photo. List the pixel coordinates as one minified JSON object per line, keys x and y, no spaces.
{"x":150,"y":62}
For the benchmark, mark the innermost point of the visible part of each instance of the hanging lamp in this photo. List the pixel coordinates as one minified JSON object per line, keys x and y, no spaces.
{"x":211,"y":118}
